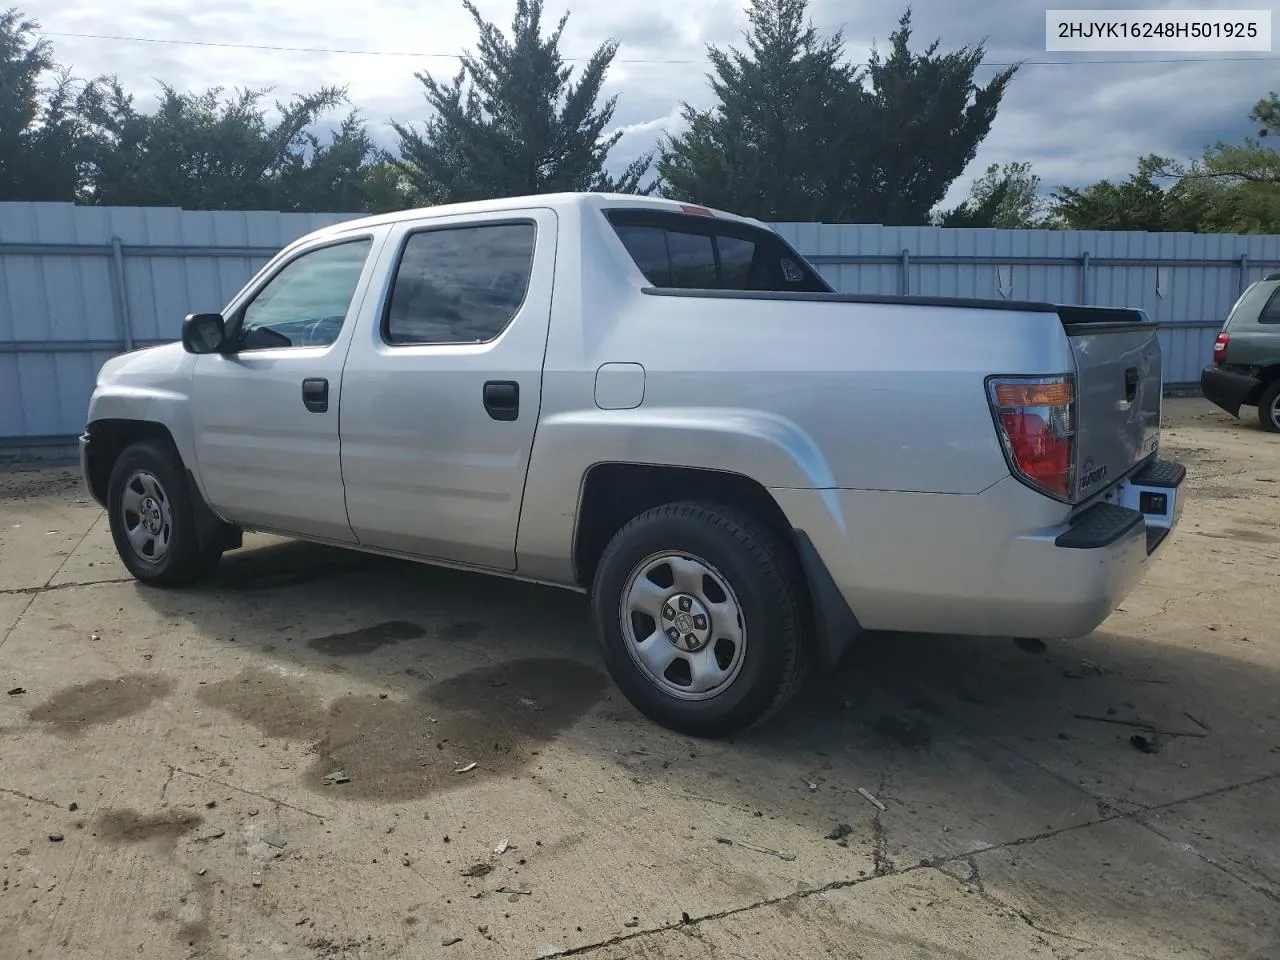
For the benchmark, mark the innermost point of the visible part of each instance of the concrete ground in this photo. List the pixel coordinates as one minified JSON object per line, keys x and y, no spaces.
{"x":280,"y":764}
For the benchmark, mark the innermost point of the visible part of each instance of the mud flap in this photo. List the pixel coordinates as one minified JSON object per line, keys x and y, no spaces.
{"x":209,"y":528}
{"x":835,"y":624}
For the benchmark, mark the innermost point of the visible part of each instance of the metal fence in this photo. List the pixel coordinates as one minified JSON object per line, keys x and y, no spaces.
{"x":81,"y":284}
{"x":1185,"y":282}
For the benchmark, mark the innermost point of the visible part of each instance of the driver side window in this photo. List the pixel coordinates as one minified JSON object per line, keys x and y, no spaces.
{"x":306,"y":303}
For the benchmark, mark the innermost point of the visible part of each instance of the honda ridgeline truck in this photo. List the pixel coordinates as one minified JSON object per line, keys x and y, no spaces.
{"x":662,"y":406}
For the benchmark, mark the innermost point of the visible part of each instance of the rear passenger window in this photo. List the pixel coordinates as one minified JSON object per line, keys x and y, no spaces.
{"x":1271,"y":312}
{"x":693,"y":261}
{"x":459,"y":284}
{"x":736,"y":257}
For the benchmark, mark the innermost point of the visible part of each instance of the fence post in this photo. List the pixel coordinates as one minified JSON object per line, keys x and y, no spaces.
{"x":1244,"y":271}
{"x":120,"y":291}
{"x":1084,"y":279}
{"x":906,"y":272}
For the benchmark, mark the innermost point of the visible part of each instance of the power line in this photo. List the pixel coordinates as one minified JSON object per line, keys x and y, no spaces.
{"x":455,"y":56}
{"x":337,"y":50}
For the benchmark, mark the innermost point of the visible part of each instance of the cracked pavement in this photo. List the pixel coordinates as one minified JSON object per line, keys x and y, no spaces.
{"x":278,"y":763}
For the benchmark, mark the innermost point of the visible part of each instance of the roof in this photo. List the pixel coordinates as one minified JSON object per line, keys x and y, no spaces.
{"x":599,"y":201}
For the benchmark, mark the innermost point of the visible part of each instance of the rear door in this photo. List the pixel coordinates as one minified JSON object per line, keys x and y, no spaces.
{"x":440,"y":399}
{"x":1119,"y":393}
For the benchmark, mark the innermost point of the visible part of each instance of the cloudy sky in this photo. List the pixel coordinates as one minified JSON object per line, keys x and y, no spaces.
{"x":1076,"y":122}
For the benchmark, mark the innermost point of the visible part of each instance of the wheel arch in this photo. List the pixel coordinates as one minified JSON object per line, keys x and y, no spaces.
{"x":1266,"y":377}
{"x":109,"y":437}
{"x":615,"y":492}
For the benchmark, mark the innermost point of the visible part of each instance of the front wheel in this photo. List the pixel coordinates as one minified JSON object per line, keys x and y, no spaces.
{"x":152,"y":518}
{"x":702,"y":618}
{"x":1269,"y":408}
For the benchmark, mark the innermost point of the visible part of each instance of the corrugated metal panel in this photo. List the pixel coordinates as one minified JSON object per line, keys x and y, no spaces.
{"x":66,"y":293}
{"x":1186,"y":282}
{"x":64,"y":303}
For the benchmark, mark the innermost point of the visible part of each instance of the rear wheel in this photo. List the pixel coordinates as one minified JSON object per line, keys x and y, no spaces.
{"x":152,"y":517}
{"x":1269,"y":408}
{"x":702,"y":617}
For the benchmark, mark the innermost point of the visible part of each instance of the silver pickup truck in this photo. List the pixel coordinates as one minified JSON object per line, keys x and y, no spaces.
{"x":667,"y":408}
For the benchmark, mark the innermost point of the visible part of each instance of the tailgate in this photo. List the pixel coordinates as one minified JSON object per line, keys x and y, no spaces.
{"x":1119,"y":383}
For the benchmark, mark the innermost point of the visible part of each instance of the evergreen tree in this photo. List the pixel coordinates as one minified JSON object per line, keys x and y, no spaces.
{"x":1139,"y":202}
{"x":796,"y":134}
{"x":513,"y":123}
{"x":39,"y":134}
{"x":1003,"y":197}
{"x":203,"y":152}
{"x":777,"y":144}
{"x":926,"y":122}
{"x":1240,"y":183}
{"x":342,"y":174}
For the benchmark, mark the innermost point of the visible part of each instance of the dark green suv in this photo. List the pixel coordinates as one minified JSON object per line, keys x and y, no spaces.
{"x":1246,"y":356}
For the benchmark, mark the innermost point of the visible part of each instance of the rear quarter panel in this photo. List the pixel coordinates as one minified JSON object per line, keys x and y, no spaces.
{"x":799,"y":395}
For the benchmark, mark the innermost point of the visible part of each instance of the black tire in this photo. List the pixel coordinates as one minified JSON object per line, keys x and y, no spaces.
{"x":184,"y":560}
{"x":765,"y":578}
{"x":1269,"y":408}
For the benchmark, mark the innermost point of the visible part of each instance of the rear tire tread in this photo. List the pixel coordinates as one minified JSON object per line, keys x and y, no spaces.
{"x":787,"y":594}
{"x":1267,"y":403}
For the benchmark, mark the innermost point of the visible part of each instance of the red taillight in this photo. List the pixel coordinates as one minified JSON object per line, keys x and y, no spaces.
{"x":1220,"y":347}
{"x":1036,"y":420}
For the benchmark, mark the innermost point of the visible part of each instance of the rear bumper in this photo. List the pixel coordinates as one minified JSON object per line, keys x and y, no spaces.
{"x":1228,"y":389}
{"x":1006,"y":562}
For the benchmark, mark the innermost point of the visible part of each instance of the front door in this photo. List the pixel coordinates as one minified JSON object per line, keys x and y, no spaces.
{"x":440,"y":401}
{"x":265,"y":416}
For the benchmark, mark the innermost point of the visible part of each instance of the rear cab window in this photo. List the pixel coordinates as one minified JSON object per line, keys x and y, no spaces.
{"x":691,"y":252}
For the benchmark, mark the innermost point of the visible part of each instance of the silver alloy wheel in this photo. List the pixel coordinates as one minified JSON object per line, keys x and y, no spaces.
{"x":147,"y":517}
{"x":1274,"y":412}
{"x":683,"y":626}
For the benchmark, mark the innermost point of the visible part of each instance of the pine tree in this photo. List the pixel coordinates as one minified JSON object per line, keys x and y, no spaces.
{"x":209,"y":152}
{"x":512,"y":122}
{"x":776,"y":146}
{"x":926,"y":122}
{"x":39,"y":134}
{"x":798,"y":134}
{"x":1005,"y":197}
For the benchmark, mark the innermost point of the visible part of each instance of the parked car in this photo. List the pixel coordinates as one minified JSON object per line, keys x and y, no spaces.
{"x":1246,"y":356}
{"x":664,"y":407}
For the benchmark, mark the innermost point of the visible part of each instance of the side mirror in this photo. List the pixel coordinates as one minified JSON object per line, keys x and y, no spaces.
{"x":203,"y":332}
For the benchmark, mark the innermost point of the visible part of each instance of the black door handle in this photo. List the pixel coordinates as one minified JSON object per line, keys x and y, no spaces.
{"x":1131,"y":383}
{"x":315,"y":394}
{"x":502,"y":399}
